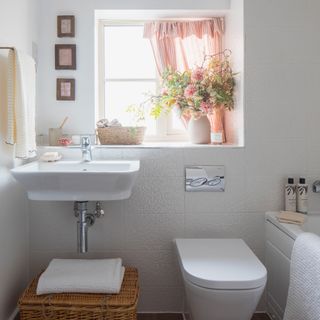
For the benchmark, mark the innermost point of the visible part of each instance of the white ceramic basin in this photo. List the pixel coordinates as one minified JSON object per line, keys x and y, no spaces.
{"x":78,"y":181}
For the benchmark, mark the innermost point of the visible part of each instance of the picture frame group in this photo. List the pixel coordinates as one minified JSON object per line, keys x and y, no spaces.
{"x":65,"y":58}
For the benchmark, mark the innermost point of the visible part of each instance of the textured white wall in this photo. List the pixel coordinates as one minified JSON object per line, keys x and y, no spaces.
{"x":17,"y":29}
{"x":281,"y":138}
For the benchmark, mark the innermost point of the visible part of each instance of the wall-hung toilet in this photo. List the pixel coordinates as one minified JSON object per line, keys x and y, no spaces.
{"x":223,"y":278}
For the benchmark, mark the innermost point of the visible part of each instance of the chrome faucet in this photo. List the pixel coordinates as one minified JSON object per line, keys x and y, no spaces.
{"x":86,"y":149}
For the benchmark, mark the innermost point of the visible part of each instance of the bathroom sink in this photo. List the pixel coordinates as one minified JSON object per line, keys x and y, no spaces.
{"x":78,"y":181}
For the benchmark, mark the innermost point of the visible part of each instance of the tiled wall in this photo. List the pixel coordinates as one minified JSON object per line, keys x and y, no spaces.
{"x":281,"y":138}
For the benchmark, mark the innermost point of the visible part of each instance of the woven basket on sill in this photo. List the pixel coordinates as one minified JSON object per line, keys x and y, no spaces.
{"x":121,"y":135}
{"x":76,"y":306}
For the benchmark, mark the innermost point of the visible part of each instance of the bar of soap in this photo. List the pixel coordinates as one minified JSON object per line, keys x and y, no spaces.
{"x":50,"y":156}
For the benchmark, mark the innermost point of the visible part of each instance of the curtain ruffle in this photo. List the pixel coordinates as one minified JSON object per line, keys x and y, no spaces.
{"x":183,"y":29}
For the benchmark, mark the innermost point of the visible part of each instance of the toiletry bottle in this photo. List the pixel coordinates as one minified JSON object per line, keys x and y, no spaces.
{"x":290,"y":196}
{"x":302,"y":196}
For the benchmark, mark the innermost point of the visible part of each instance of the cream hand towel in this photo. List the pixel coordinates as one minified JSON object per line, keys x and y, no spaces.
{"x":21,"y":104}
{"x":86,"y":276}
{"x":303,"y":301}
{"x":291,"y":217}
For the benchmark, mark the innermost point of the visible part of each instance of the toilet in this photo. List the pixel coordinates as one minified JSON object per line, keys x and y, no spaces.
{"x":223,"y":278}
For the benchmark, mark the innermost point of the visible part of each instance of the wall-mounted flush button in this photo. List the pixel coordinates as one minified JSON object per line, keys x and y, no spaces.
{"x":205,"y":178}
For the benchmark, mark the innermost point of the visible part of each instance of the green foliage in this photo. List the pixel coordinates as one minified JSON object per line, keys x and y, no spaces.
{"x":196,"y":91}
{"x":137,"y":112}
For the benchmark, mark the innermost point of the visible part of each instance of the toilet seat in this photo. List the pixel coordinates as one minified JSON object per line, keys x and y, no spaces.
{"x":227,"y":264}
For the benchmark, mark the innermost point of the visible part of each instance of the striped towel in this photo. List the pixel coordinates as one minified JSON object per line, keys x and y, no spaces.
{"x":21,"y":104}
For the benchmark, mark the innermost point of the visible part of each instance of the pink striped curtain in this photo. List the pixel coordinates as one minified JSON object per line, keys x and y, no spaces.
{"x":183,"y":44}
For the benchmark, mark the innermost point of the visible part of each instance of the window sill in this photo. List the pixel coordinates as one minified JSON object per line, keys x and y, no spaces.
{"x":153,"y":145}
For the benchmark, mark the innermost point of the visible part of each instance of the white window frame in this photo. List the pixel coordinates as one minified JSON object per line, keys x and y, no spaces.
{"x":164,"y":130}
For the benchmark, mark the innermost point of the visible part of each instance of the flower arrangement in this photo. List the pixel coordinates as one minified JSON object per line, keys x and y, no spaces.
{"x":197,"y":92}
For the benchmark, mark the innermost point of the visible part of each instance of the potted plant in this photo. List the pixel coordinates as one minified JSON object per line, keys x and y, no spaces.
{"x":200,"y":96}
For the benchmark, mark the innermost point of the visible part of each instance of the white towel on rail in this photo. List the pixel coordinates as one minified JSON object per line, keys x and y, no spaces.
{"x":21,"y":104}
{"x":78,"y":275}
{"x":303,"y":301}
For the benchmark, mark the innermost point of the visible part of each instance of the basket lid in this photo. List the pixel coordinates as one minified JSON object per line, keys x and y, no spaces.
{"x":127,"y":296}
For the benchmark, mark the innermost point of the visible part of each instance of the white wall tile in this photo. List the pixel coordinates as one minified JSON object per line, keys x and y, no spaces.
{"x":264,"y":193}
{"x":275,"y":157}
{"x":156,"y":268}
{"x":152,"y":231}
{"x":161,"y":299}
{"x":157,"y":162}
{"x":52,"y":229}
{"x":277,"y":84}
{"x":156,"y":195}
{"x":261,"y":13}
{"x":278,"y":44}
{"x":286,"y":122}
{"x":248,"y":226}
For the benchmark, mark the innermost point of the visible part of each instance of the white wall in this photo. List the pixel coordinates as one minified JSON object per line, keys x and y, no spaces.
{"x":234,"y":41}
{"x":17,"y":28}
{"x":281,"y":138}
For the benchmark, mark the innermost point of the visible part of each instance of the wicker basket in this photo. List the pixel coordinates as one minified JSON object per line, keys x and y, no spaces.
{"x":121,"y":135}
{"x":67,"y":306}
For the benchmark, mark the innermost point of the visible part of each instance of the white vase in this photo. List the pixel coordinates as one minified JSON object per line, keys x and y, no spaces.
{"x":199,"y":130}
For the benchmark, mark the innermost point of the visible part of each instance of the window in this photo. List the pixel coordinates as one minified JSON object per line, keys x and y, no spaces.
{"x":129,"y":77}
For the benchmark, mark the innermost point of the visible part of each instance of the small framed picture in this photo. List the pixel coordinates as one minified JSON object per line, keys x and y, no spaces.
{"x":66,"y":26}
{"x":66,"y":89}
{"x":65,"y":57}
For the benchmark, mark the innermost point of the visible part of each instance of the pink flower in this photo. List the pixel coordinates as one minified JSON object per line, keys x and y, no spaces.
{"x":205,"y":107}
{"x":197,"y":74}
{"x":190,"y":90}
{"x":164,"y":91}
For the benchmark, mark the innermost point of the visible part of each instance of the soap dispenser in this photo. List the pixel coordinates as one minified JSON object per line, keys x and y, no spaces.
{"x":302,"y":196}
{"x":290,"y":196}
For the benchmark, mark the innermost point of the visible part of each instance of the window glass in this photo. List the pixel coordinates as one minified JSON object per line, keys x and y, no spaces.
{"x":121,"y":94}
{"x":128,"y":55}
{"x":131,"y":77}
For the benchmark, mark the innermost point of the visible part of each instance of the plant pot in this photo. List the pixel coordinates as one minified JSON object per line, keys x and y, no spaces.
{"x":199,"y":130}
{"x":216,"y":118}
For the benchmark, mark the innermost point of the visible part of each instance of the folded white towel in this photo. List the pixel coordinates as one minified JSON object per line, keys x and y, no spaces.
{"x":21,"y":104}
{"x":82,"y":276}
{"x":104,"y":123}
{"x":304,"y":289}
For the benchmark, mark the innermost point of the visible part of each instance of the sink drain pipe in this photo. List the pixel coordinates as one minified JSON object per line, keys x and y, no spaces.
{"x":85,"y":220}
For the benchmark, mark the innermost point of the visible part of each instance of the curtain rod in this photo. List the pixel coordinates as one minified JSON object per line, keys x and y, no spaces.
{"x":7,"y":48}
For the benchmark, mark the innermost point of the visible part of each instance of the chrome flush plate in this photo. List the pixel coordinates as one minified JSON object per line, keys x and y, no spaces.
{"x":204,"y":178}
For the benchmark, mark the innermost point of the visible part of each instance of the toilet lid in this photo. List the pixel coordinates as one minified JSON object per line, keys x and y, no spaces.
{"x":220,"y":264}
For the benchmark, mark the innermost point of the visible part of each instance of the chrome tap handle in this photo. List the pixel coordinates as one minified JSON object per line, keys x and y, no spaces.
{"x":98,"y":212}
{"x":85,"y":142}
{"x":316,"y":186}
